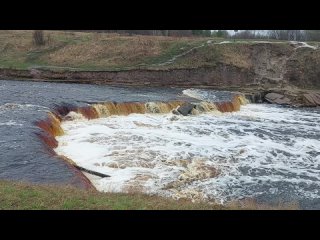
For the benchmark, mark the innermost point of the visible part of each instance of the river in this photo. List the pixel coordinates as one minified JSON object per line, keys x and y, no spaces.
{"x":266,"y":152}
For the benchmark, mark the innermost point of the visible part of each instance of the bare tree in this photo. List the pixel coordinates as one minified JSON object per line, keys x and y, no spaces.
{"x":180,"y":33}
{"x":275,"y":34}
{"x":38,"y":38}
{"x":165,"y":32}
{"x":312,"y":35}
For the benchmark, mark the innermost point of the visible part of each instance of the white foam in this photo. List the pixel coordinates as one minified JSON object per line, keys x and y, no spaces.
{"x":267,"y":42}
{"x":303,"y":45}
{"x":199,"y":94}
{"x":74,"y":116}
{"x":10,"y":123}
{"x":224,"y":42}
{"x":11,"y":106}
{"x":257,"y":148}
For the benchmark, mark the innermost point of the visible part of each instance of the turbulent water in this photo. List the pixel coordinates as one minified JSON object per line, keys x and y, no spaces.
{"x":23,"y":156}
{"x":265,"y":152}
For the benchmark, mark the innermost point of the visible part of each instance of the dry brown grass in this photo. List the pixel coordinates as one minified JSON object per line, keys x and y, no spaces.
{"x":106,"y":51}
{"x":236,"y":55}
{"x":20,"y":40}
{"x":210,"y":55}
{"x":109,"y":47}
{"x":87,"y":50}
{"x":110,"y":50}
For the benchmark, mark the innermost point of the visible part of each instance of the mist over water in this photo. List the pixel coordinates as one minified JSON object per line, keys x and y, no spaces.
{"x":267,"y":152}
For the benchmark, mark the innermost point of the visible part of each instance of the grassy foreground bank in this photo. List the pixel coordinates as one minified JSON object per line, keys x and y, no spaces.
{"x":22,"y":196}
{"x":26,"y":196}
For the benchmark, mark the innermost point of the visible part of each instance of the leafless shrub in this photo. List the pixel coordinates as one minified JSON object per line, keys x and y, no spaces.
{"x":38,"y":38}
{"x":49,"y":39}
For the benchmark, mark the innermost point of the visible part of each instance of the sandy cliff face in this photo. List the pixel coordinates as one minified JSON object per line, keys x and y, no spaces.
{"x":303,"y":68}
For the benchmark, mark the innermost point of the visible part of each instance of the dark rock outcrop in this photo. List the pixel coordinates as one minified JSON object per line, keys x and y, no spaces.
{"x":185,"y":108}
{"x":256,"y":97}
{"x":312,"y":98}
{"x":294,"y":98}
{"x":213,"y":77}
{"x":278,"y":99}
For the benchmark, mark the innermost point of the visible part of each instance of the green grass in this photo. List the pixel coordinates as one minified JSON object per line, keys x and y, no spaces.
{"x":172,"y":50}
{"x":14,"y":64}
{"x":111,"y":52}
{"x":90,"y":51}
{"x":23,"y":196}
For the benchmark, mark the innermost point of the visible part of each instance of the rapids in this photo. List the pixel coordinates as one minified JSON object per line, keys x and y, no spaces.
{"x":23,"y":156}
{"x":265,"y":152}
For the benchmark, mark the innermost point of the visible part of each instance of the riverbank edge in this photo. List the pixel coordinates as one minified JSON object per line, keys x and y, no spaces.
{"x":204,"y":78}
{"x":28,"y":196}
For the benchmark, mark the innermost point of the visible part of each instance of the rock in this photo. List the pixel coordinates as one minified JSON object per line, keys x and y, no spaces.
{"x":313,"y":99}
{"x":309,"y":99}
{"x":185,"y":108}
{"x":317,"y":99}
{"x":295,"y":98}
{"x":278,"y":99}
{"x":273,"y":96}
{"x":35,"y":72}
{"x":256,"y":97}
{"x":174,"y":111}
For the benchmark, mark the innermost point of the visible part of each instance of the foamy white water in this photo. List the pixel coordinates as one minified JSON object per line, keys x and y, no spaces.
{"x":263,"y":151}
{"x":10,"y":123}
{"x":304,"y":45}
{"x":205,"y":95}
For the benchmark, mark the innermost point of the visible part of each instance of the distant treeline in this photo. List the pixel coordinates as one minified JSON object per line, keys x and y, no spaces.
{"x":294,"y":35}
{"x":173,"y":33}
{"x":290,"y":35}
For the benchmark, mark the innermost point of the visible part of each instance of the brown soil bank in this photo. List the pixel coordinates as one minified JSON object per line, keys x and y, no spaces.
{"x":221,"y":76}
{"x":259,"y":65}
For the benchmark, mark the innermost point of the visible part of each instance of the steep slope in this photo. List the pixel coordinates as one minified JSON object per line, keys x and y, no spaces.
{"x":160,"y":61}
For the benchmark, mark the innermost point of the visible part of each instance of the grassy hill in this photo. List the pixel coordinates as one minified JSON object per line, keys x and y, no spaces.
{"x":89,"y":51}
{"x":105,"y":51}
